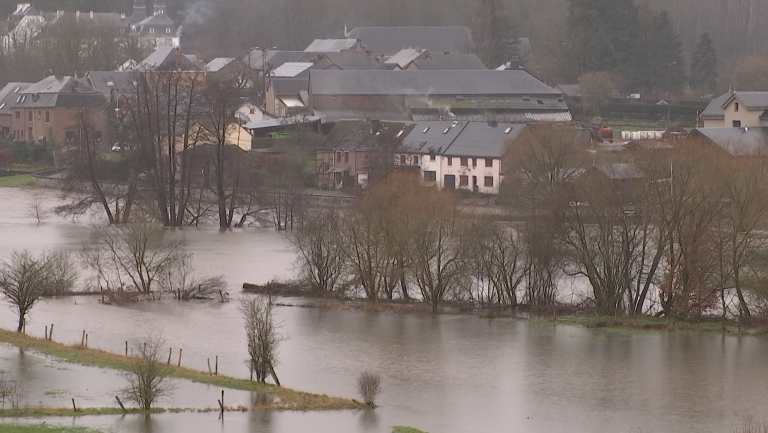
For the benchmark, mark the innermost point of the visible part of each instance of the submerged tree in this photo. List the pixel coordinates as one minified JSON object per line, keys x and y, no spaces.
{"x":147,"y":375}
{"x":263,"y":338}
{"x":24,"y":279}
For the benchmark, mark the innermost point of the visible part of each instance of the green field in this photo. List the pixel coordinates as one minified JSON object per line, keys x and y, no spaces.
{"x":18,"y":180}
{"x":45,"y":428}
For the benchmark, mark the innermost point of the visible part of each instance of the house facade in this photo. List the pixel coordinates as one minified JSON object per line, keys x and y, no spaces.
{"x":737,"y":109}
{"x":458,"y":154}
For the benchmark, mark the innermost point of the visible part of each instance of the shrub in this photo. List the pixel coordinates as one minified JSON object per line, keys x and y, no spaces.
{"x":369,"y":386}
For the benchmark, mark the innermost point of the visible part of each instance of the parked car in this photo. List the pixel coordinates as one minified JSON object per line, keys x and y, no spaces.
{"x":117,"y":148}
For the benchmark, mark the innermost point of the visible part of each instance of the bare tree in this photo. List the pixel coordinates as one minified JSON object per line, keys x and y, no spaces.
{"x":147,"y":375}
{"x":263,"y":337}
{"x":24,"y":279}
{"x":12,"y":391}
{"x":135,"y":255}
{"x":321,"y":251}
{"x":369,"y":387}
{"x":185,"y":285}
{"x":35,"y":208}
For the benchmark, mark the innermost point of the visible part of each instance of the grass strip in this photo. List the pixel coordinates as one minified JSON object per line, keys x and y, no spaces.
{"x":658,"y":324}
{"x":403,"y":429}
{"x":45,"y":428}
{"x":287,"y":399}
{"x":68,"y":412}
{"x":17,"y":180}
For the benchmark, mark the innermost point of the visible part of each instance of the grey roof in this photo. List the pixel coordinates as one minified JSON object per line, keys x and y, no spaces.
{"x":463,"y":139}
{"x":715,"y":108}
{"x":380,"y":82}
{"x":621,"y":171}
{"x":61,"y":92}
{"x":406,"y":56}
{"x":289,"y":86}
{"x":108,"y":81}
{"x":24,"y":9}
{"x":390,"y":40}
{"x":275,"y":59}
{"x":159,"y":20}
{"x":218,"y":64}
{"x":290,"y":69}
{"x":360,"y":135}
{"x":165,"y":57}
{"x":330,"y":45}
{"x":750,"y":100}
{"x":737,"y":141}
{"x":348,"y":60}
{"x":572,"y":90}
{"x":271,"y":123}
{"x":447,"y":62}
{"x":9,"y":94}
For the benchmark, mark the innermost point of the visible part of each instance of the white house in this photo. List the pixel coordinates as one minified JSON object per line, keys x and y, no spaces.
{"x":459,"y":154}
{"x":737,"y":109}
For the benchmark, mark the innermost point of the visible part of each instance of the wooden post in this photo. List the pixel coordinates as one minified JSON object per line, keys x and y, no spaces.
{"x":221,"y":403}
{"x":170,"y":352}
{"x":179,"y":364}
{"x":82,"y":339}
{"x":120,"y":403}
{"x":274,"y":375}
{"x":126,"y":347}
{"x":216,"y":372}
{"x":46,"y":332}
{"x":50,"y":334}
{"x":210,"y":373}
{"x":73,"y":405}
{"x":221,"y":294}
{"x":144,"y":353}
{"x":86,"y":341}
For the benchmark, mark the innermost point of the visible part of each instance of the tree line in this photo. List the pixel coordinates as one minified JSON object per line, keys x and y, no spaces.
{"x":684,"y":239}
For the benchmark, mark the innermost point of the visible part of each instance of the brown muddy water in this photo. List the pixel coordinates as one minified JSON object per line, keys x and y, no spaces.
{"x":440,"y":374}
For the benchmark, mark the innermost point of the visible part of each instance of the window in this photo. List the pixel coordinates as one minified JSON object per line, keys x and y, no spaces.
{"x":488,"y":162}
{"x":736,"y":107}
{"x":489,"y":181}
{"x":167,"y":30}
{"x":69,"y":137}
{"x":29,"y":116}
{"x":464,"y":162}
{"x":450,"y":161}
{"x":151,"y":30}
{"x":474,"y":162}
{"x":47,"y":117}
{"x":402,"y":159}
{"x":18,"y":114}
{"x":431,"y":156}
{"x":415,"y":160}
{"x":737,"y":123}
{"x":430,"y":176}
{"x":29,"y":134}
{"x":338,"y":157}
{"x":463,"y":180}
{"x":253,"y":111}
{"x":39,"y":114}
{"x":346,"y":157}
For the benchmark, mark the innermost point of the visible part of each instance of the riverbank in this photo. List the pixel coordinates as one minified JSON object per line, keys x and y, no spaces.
{"x":45,"y":428}
{"x":285,"y":398}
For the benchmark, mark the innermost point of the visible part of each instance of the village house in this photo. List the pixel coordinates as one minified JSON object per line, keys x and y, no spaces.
{"x":387,"y":41}
{"x":733,"y":142}
{"x":356,"y":151}
{"x":404,"y":58}
{"x":48,"y":111}
{"x":512,"y":96}
{"x":8,"y":96}
{"x":447,"y":62}
{"x":228,"y":69}
{"x":737,"y":109}
{"x":459,"y":154}
{"x":286,"y":96}
{"x":337,"y":46}
{"x":624,"y":181}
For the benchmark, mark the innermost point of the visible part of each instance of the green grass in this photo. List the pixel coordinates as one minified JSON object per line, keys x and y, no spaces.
{"x":288,"y":399}
{"x":402,"y":429}
{"x":18,"y":180}
{"x":68,"y":412}
{"x":44,"y":428}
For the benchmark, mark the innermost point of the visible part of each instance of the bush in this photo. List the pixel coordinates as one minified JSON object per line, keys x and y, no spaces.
{"x":369,"y":386}
{"x":147,"y":376}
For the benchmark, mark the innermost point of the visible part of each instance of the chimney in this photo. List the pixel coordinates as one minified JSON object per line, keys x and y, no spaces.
{"x":493,"y":123}
{"x":178,"y":58}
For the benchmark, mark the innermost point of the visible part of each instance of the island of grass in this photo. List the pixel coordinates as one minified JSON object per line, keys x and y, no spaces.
{"x":403,"y":429}
{"x":287,"y":399}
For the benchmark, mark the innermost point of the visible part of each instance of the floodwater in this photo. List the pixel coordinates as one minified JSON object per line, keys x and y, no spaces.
{"x":440,"y":374}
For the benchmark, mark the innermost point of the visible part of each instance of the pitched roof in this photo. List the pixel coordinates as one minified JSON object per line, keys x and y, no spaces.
{"x":379,"y":82}
{"x":275,"y":59}
{"x":390,"y":40}
{"x":289,"y":86}
{"x":445,"y":62}
{"x":573,"y":90}
{"x":165,"y":57}
{"x":347,"y":60}
{"x":330,"y":45}
{"x":750,"y":100}
{"x":9,"y":94}
{"x":290,"y":69}
{"x":621,"y":171}
{"x":737,"y":141}
{"x":59,"y":91}
{"x":108,"y":81}
{"x":406,"y":56}
{"x":360,"y":134}
{"x":218,"y":64}
{"x":715,"y":108}
{"x":463,"y":139}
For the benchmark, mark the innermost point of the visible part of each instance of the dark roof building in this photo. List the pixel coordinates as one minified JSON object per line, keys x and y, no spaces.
{"x":109,"y":82}
{"x":9,"y":94}
{"x":167,"y":57}
{"x":350,"y":61}
{"x":462,"y":139}
{"x":446,"y":62}
{"x":389,"y":40}
{"x":63,"y":92}
{"x":735,"y":141}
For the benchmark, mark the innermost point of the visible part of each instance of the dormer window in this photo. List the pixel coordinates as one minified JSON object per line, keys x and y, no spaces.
{"x":736,"y":107}
{"x":151,"y":30}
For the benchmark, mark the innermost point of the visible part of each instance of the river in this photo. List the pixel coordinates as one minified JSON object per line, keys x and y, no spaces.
{"x":439,"y":373}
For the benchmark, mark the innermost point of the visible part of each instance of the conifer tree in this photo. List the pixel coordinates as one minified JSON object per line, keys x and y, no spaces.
{"x":704,"y":74}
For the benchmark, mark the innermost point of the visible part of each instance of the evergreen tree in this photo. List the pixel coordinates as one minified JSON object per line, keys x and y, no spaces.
{"x":667,"y":62}
{"x":589,"y":46}
{"x":704,"y":65}
{"x":493,"y":32}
